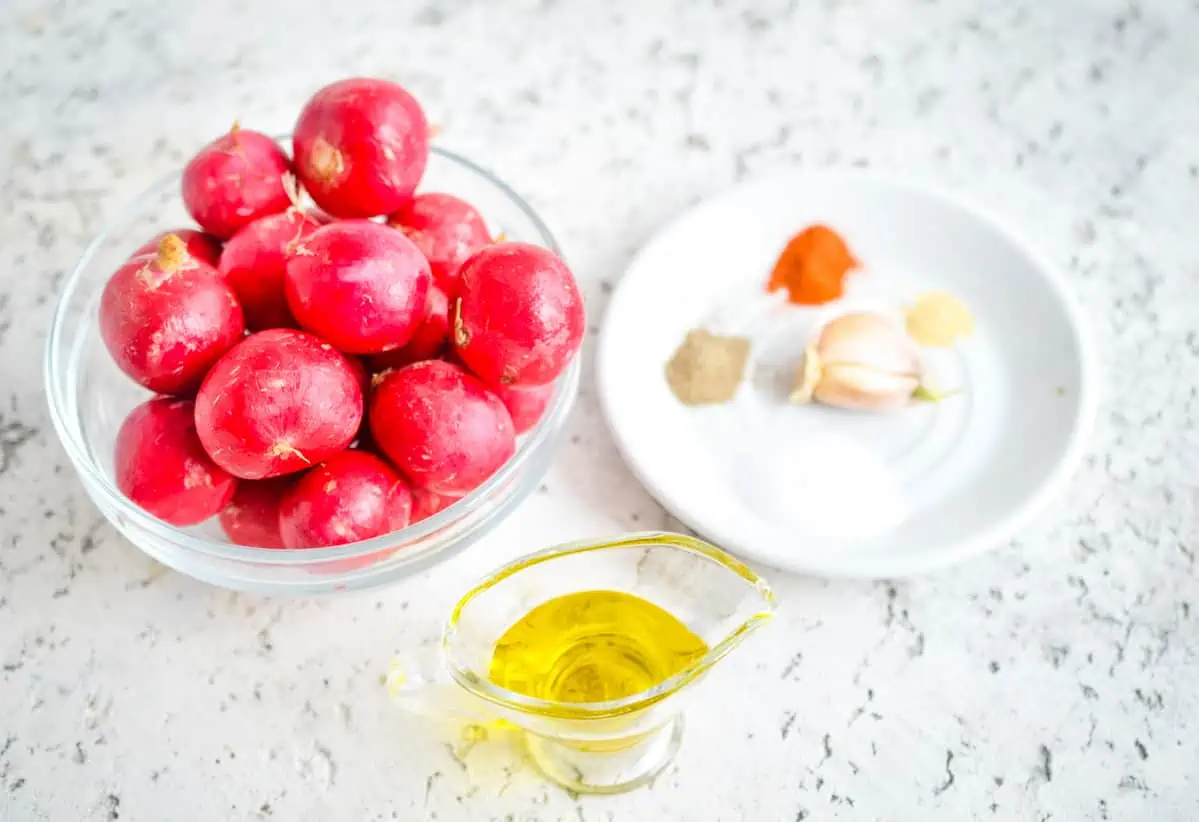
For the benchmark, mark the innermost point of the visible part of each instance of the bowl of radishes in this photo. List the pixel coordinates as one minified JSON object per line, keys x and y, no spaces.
{"x":317,"y":363}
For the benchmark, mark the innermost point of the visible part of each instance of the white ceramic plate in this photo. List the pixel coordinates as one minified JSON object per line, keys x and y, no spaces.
{"x":831,"y":492}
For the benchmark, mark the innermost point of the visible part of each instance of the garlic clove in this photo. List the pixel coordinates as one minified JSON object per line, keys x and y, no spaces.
{"x":862,"y":362}
{"x":858,"y":387}
{"x":869,"y":339}
{"x":809,"y":375}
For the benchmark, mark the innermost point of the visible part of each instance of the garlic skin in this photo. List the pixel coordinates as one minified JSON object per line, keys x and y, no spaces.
{"x":861,"y":362}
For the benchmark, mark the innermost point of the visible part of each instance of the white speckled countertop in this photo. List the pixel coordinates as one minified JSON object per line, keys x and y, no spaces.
{"x":1054,"y":679}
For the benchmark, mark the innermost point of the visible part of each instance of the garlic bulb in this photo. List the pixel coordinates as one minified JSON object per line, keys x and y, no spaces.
{"x":862,"y":362}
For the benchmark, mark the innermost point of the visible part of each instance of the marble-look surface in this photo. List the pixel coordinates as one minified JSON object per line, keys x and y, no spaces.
{"x":1053,"y":679}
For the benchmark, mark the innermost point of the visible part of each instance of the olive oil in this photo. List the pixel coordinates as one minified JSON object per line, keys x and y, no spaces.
{"x":592,"y":646}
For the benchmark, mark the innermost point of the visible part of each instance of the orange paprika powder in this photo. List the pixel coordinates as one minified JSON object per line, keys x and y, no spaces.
{"x":813,"y":266}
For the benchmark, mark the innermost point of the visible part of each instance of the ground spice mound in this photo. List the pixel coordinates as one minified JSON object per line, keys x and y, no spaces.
{"x":813,"y":267}
{"x":938,"y":320}
{"x":707,"y":368}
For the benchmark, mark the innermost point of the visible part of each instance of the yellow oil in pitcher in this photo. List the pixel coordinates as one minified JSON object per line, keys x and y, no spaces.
{"x":593,"y":646}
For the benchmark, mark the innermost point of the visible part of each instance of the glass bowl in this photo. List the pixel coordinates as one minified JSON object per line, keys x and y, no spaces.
{"x":89,"y":398}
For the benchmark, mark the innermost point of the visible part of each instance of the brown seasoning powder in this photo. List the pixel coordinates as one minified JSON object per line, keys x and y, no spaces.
{"x":707,"y":368}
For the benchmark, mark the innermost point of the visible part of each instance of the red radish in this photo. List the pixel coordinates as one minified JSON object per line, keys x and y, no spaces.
{"x":234,"y":180}
{"x":446,"y":230}
{"x":361,"y":375}
{"x":202,"y":246}
{"x":166,"y":319}
{"x":359,"y":285}
{"x":526,"y":404}
{"x":255,"y":261}
{"x":440,"y":426}
{"x":361,"y":146}
{"x":425,"y":504}
{"x":354,"y":496}
{"x":280,"y":401}
{"x":252,"y":517}
{"x":161,"y":466}
{"x":519,"y":317}
{"x":430,"y":340}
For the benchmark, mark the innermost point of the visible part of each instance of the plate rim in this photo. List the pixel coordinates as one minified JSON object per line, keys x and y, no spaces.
{"x":846,"y":564}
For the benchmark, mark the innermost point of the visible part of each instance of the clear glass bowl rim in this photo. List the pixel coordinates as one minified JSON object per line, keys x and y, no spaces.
{"x":547,"y":428}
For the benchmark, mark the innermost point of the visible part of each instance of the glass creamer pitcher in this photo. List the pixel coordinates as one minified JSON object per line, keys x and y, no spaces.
{"x":575,"y":631}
